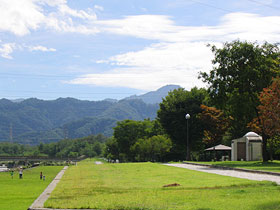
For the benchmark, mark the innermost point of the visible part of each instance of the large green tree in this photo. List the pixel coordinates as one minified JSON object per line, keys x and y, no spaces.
{"x":127,"y":132}
{"x":171,"y":115}
{"x":240,"y":72}
{"x":152,"y":149}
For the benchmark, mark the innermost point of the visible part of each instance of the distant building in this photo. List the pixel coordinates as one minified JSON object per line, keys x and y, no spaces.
{"x":249,"y":147}
{"x":3,"y":168}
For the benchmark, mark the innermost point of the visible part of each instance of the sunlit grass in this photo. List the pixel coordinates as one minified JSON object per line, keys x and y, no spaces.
{"x":19,"y":194}
{"x":140,"y":186}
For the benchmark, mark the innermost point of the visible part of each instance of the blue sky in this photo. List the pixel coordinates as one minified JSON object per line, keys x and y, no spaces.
{"x":93,"y":49}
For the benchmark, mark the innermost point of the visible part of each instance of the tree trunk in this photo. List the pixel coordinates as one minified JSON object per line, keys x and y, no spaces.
{"x":264,"y":147}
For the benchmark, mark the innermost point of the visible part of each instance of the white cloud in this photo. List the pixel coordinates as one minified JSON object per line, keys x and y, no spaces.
{"x":41,"y":48}
{"x":21,"y":17}
{"x":97,"y":7}
{"x":140,"y":78}
{"x":181,"y":52}
{"x":166,"y":55}
{"x":178,"y":56}
{"x":162,"y":28}
{"x":52,"y":3}
{"x":143,"y":26}
{"x":6,"y":49}
{"x":65,"y":11}
{"x":155,"y":66}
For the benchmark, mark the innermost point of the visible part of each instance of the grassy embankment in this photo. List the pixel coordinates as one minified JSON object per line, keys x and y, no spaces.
{"x":273,"y":166}
{"x":19,"y":194}
{"x":140,"y":186}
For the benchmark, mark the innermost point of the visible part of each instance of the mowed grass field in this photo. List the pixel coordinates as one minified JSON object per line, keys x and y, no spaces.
{"x":19,"y":194}
{"x":273,"y":166}
{"x":140,"y":186}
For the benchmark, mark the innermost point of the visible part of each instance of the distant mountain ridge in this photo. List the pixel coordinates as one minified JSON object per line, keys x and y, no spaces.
{"x":155,"y":97}
{"x":32,"y":121}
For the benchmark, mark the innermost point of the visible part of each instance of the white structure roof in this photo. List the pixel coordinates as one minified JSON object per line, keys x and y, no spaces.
{"x":219,"y":147}
{"x":251,"y":134}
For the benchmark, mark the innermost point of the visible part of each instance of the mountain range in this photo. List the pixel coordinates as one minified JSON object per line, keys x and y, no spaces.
{"x":31,"y":121}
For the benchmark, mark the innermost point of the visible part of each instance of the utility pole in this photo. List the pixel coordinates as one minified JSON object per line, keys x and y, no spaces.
{"x":65,"y":132}
{"x":11,"y":132}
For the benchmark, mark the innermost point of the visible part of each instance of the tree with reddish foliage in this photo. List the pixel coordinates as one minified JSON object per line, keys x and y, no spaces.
{"x":268,"y":121}
{"x":215,"y":125}
{"x":269,"y":109}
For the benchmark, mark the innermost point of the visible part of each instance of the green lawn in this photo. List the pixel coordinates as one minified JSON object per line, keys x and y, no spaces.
{"x":19,"y":194}
{"x":140,"y":186}
{"x":273,"y":166}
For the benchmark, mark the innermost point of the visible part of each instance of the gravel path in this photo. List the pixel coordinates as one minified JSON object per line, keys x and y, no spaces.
{"x":39,"y":202}
{"x":233,"y":173}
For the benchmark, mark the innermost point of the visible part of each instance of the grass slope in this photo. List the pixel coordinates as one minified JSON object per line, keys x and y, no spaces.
{"x":273,"y":166}
{"x":19,"y":194}
{"x":140,"y":186}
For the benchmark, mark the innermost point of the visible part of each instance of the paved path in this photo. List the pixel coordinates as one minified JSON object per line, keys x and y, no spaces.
{"x":39,"y":202}
{"x":233,"y":173}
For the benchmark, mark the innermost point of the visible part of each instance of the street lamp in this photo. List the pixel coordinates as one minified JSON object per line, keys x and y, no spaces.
{"x":188,"y":149}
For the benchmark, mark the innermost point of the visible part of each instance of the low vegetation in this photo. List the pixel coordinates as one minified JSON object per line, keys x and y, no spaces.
{"x":19,"y":194}
{"x":140,"y":186}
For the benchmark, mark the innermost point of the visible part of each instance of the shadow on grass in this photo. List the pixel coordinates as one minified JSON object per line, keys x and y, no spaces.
{"x":269,"y":206}
{"x":203,"y":209}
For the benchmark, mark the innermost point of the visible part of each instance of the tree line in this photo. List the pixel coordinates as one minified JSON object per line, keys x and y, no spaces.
{"x":91,"y":146}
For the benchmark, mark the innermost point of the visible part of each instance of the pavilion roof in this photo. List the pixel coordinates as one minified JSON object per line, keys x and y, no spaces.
{"x":218,"y":147}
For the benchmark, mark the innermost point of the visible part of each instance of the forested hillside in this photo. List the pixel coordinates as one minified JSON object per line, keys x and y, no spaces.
{"x":32,"y":121}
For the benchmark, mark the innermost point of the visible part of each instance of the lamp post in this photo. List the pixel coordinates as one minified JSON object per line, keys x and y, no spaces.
{"x":188,"y":149}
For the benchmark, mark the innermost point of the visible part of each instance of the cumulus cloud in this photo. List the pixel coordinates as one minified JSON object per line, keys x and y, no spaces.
{"x":6,"y":50}
{"x":155,"y":66}
{"x":19,"y":17}
{"x":22,"y":17}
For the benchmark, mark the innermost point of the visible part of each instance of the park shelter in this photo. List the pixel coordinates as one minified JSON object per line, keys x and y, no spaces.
{"x":248,"y":147}
{"x":220,"y":151}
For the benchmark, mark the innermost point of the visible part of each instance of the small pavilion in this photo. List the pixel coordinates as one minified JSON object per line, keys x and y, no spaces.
{"x":220,"y":151}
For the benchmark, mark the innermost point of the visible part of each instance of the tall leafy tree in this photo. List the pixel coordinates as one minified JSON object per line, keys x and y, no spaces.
{"x":152,"y":149}
{"x":240,"y":71}
{"x":127,"y":132}
{"x":111,"y":151}
{"x":171,"y":115}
